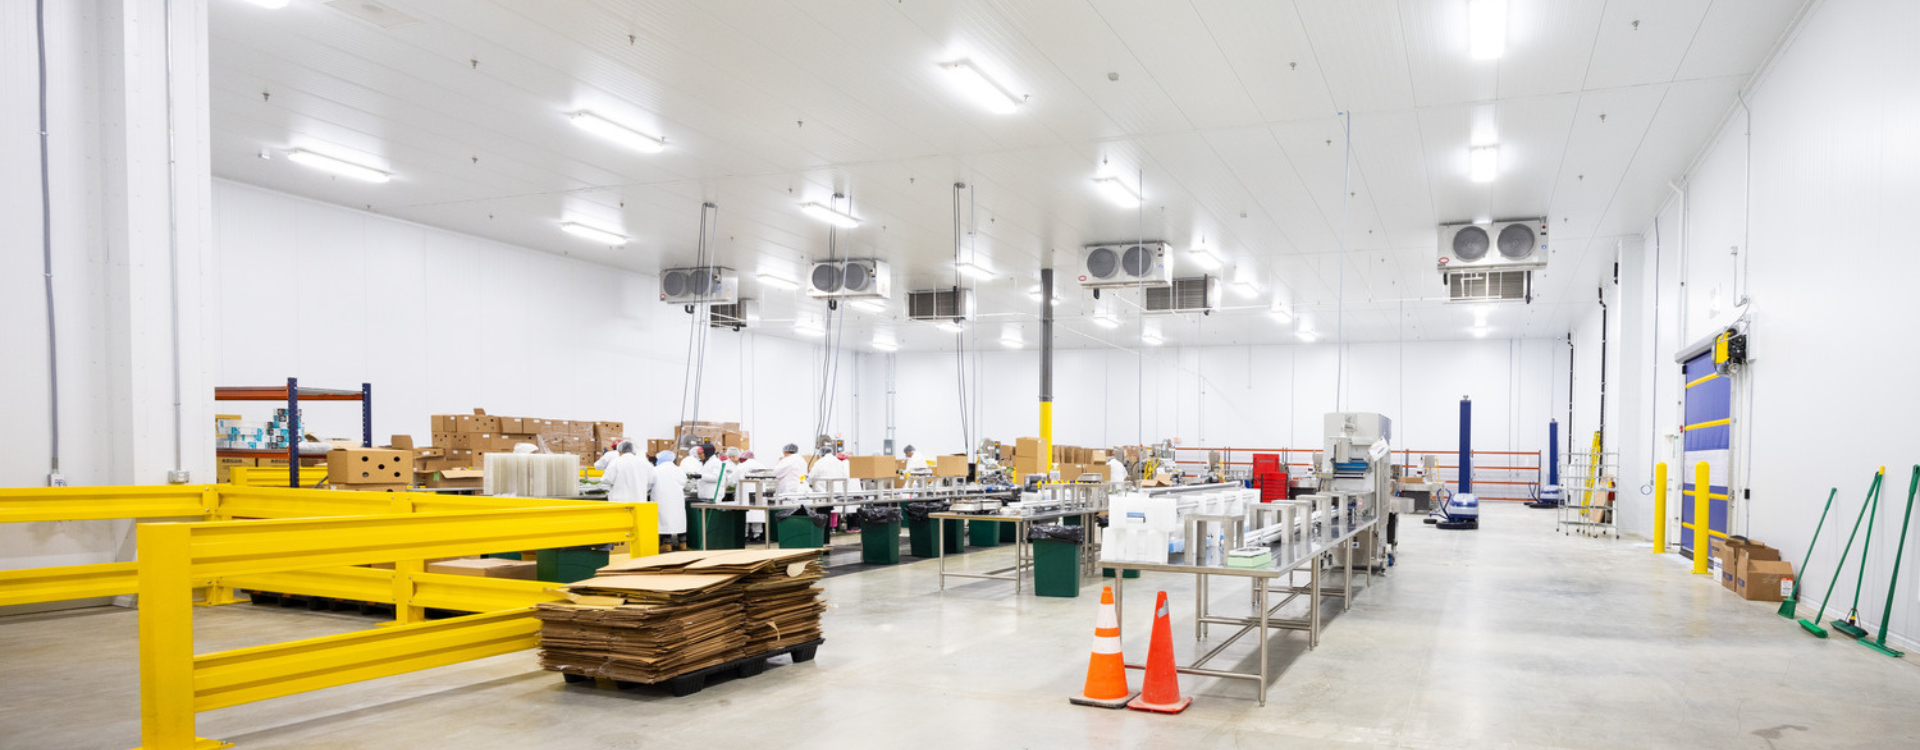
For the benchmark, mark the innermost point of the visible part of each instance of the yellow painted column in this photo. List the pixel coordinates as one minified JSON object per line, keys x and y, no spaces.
{"x":166,"y":637}
{"x":1660,"y":508}
{"x":404,"y":571}
{"x":1702,"y":517}
{"x":1046,"y":436}
{"x":214,"y":594}
{"x":646,"y":530}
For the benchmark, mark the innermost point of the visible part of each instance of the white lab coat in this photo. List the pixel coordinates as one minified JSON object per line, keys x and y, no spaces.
{"x":828,"y":467}
{"x":669,"y":492}
{"x":790,"y":475}
{"x":690,"y":464}
{"x":606,"y":459}
{"x":629,"y":479}
{"x":919,"y":463}
{"x":1116,"y":473}
{"x":710,"y":477}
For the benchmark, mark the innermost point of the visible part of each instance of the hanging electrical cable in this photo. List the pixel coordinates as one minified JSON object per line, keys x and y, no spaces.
{"x":698,"y":329}
{"x":832,"y":331}
{"x":46,"y":251}
{"x":960,"y":336}
{"x":1340,"y":311}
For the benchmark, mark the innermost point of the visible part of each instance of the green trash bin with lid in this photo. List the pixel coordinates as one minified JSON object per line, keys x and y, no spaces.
{"x":801,"y":528}
{"x":1056,"y":559}
{"x":984,"y":533}
{"x":920,"y":528}
{"x":569,"y":564}
{"x":880,"y":535}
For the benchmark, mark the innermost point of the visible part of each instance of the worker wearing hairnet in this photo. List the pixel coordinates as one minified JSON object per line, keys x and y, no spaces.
{"x":715,"y":480}
{"x":790,"y":472}
{"x":628,"y":477}
{"x":613,"y":451}
{"x":917,"y":464}
{"x":669,"y":492}
{"x":1116,"y":471}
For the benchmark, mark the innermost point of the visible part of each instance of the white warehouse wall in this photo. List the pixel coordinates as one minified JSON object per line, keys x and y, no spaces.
{"x":1241,"y":396}
{"x":1829,"y":259}
{"x":441,"y":322}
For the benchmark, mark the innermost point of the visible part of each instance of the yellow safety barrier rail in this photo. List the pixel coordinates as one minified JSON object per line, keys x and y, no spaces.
{"x":273,"y":476}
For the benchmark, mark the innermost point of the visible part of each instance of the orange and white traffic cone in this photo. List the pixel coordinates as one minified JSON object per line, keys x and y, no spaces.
{"x":1160,"y":692}
{"x":1106,"y":669}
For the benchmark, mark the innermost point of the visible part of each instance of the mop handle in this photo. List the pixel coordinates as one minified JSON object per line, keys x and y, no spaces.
{"x":1815,"y":540}
{"x":1865,"y":545}
{"x":1872,"y":490}
{"x":1886,"y":615}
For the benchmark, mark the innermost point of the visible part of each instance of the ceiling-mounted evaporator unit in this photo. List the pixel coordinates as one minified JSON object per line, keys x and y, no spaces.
{"x":853,"y":278}
{"x":705,"y":285}
{"x":1126,"y":264}
{"x":734,"y":316}
{"x":1502,"y":245}
{"x":1199,"y":294}
{"x":940,"y":304}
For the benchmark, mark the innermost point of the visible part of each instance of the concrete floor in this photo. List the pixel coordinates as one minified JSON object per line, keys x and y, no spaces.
{"x":1511,"y":636}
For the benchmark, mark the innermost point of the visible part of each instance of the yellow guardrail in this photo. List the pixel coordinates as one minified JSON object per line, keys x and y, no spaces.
{"x":175,"y":684}
{"x":35,"y":585}
{"x":27,"y":504}
{"x":273,"y":476}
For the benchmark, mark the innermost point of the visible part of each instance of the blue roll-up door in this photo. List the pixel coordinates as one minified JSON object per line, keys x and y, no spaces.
{"x":1707,"y":436}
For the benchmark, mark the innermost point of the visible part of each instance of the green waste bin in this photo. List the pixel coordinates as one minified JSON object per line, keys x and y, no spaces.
{"x":696,"y":527}
{"x":920,"y":538}
{"x":724,"y":529}
{"x":985,"y":533}
{"x":569,"y":564}
{"x":798,"y":532}
{"x":1009,"y":532}
{"x":956,"y":536}
{"x":1129,"y":573}
{"x":880,"y":543}
{"x":1056,"y":561}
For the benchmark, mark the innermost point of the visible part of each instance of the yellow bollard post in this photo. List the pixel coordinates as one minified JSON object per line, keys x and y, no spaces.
{"x":1702,"y":515}
{"x":646,"y":531}
{"x":166,"y":638}
{"x":1660,"y":508}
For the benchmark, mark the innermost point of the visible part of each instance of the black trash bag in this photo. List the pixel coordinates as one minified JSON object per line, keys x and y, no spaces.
{"x":879,"y":514}
{"x":920,"y":511}
{"x":820,"y":519}
{"x":1056,"y":533}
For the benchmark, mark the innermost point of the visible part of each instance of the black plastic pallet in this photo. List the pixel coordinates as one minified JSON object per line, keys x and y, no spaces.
{"x":695,"y":681}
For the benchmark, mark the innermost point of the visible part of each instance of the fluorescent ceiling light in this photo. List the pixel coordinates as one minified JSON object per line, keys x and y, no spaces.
{"x":1483,"y":163}
{"x":810,"y":328}
{"x":1034,"y":294}
{"x":1151,"y":338}
{"x":1480,"y":332}
{"x":1307,"y":336}
{"x":618,"y":133}
{"x":949,"y":326}
{"x":973,"y":268}
{"x":1486,"y":28}
{"x":1117,"y":191}
{"x":871,"y":305}
{"x":269,"y":3}
{"x":1205,"y":257}
{"x":597,"y":235}
{"x":830,"y":216}
{"x":886,"y":345}
{"x":336,"y":166}
{"x":1247,"y":289}
{"x":778,"y":281}
{"x":1281,"y":314}
{"x":1012,"y":343}
{"x":980,"y":87}
{"x":1105,"y":321}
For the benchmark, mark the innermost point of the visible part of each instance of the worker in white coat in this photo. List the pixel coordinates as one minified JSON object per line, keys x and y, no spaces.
{"x":692,"y":463}
{"x":1116,"y":471}
{"x":715,"y":476}
{"x":628,"y":477}
{"x":670,"y":493}
{"x":790,"y":472}
{"x":613,"y":451}
{"x":916,"y":464}
{"x":745,"y":465}
{"x":831,"y":466}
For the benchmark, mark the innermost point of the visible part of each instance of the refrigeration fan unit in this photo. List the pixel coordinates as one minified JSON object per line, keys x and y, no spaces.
{"x":1492,"y":261}
{"x":1126,"y":264}
{"x":704,"y":285}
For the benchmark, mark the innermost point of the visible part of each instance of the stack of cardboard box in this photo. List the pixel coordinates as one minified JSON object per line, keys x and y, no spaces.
{"x":1070,"y":460}
{"x":1751,"y":569}
{"x":723,"y":434}
{"x":369,"y":469}
{"x":466,"y":438}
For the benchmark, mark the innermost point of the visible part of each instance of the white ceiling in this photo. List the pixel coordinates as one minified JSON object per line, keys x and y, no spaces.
{"x":1225,"y":109}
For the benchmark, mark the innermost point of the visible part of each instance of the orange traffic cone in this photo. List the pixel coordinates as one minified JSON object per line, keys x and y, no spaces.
{"x":1106,"y":669}
{"x":1161,"y":690}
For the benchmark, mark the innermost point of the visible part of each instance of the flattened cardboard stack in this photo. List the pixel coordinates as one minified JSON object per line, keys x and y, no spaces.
{"x":652,"y":618}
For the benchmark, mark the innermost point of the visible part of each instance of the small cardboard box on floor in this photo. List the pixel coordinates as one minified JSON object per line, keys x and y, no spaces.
{"x":1764,"y":580}
{"x":485,"y":567}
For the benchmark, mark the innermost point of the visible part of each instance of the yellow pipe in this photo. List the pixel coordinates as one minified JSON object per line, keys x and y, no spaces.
{"x":1660,"y":508}
{"x":1702,"y":518}
{"x":1046,"y":437}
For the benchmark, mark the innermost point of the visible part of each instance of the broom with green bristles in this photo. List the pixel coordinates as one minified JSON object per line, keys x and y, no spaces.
{"x":1886,"y":615}
{"x":1850,"y":627}
{"x":1791,"y":606}
{"x":1873,"y":491}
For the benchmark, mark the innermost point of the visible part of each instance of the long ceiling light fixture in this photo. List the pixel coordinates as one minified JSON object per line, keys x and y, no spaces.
{"x":776,"y":280}
{"x":1117,"y":191}
{"x":1486,"y":29}
{"x":830,"y":216}
{"x":973,"y":268}
{"x":269,"y":3}
{"x":336,"y":166}
{"x":949,"y":326}
{"x":1152,"y":338}
{"x":871,"y":305}
{"x":1106,"y":320}
{"x":593,"y":233}
{"x":886,"y":345}
{"x":981,"y":88}
{"x":1483,"y":163}
{"x":618,"y":133}
{"x":1205,"y":257}
{"x":1247,"y":289}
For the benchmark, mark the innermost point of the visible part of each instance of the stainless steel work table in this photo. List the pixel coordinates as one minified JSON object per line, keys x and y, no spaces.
{"x":1022,"y":549}
{"x":1288,"y":557}
{"x":885,"y":496}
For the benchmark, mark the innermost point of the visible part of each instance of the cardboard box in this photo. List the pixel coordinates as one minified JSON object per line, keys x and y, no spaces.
{"x":223,"y":464}
{"x":735,"y":440}
{"x":512,"y":424}
{"x":950,"y":466}
{"x":1081,"y":469}
{"x":1026,"y":447}
{"x":872,"y":467}
{"x":1735,"y":552}
{"x":396,"y":487}
{"x":485,"y":567}
{"x":1764,"y":580}
{"x":453,"y":477}
{"x":1028,"y":465}
{"x":369,"y":466}
{"x":1099,"y":457}
{"x":605,"y":431}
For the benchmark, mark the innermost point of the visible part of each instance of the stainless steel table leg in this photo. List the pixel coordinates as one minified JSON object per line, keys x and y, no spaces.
{"x":1019,"y":554}
{"x":1346,"y":560}
{"x":1313,"y":604}
{"x":940,"y":549}
{"x":1200,"y":605}
{"x":1261,"y":585}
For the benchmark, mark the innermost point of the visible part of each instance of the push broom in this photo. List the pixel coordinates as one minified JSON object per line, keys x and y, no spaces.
{"x":1850,"y":627}
{"x":1872,"y":492}
{"x":1880,"y":644}
{"x":1791,"y":606}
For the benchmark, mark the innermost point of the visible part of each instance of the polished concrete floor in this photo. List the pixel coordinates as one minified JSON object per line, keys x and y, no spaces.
{"x":1511,"y":636}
